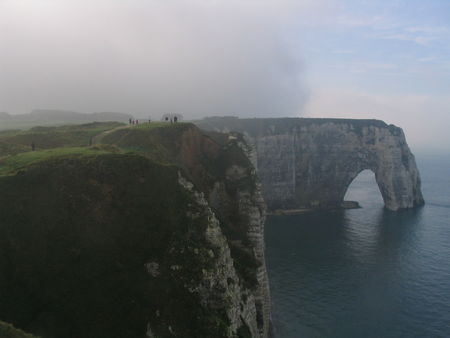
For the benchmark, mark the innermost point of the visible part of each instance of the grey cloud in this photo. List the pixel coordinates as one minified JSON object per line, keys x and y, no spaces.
{"x":149,"y":57}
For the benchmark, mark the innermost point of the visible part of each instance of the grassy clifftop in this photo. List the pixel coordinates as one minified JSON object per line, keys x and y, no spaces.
{"x":17,"y":141}
{"x":11,"y":165}
{"x":204,"y":156}
{"x":102,"y":241}
{"x":258,"y":127}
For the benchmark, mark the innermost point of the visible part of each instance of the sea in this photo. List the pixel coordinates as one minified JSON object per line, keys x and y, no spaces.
{"x":365,"y":272}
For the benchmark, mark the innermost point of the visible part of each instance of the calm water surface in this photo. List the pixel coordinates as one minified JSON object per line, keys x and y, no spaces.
{"x":365,"y":272}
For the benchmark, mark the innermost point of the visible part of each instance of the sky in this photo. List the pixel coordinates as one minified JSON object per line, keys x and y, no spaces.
{"x":385,"y":59}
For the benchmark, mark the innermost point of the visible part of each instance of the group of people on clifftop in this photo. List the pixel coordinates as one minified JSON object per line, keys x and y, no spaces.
{"x":172,"y":118}
{"x":133,"y":122}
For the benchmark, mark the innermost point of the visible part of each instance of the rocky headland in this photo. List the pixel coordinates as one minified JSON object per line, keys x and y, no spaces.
{"x":308,"y":163}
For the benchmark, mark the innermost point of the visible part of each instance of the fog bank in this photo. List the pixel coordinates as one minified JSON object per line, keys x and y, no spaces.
{"x":150,"y":57}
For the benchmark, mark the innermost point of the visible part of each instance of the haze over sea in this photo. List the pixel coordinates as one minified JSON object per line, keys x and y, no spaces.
{"x":365,"y":272}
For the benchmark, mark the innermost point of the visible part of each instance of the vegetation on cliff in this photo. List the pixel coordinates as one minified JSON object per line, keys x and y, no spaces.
{"x":10,"y":165}
{"x":102,"y":241}
{"x":17,"y":141}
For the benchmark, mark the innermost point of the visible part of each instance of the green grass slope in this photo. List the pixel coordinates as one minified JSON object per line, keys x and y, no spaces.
{"x":10,"y":165}
{"x":16,"y":141}
{"x":157,"y":140}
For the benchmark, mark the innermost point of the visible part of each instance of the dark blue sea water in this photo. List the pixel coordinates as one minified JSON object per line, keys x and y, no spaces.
{"x":365,"y":272}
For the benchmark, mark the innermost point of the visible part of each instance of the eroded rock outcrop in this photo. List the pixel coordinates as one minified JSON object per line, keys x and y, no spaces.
{"x":309,"y":163}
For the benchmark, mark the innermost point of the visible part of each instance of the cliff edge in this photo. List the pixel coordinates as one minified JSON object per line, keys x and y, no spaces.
{"x":309,"y":163}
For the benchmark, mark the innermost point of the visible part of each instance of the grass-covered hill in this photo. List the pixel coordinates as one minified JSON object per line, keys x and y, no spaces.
{"x":17,"y":141}
{"x":103,"y":241}
{"x":204,"y":156}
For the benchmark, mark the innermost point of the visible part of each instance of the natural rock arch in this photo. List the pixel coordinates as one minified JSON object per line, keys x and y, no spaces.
{"x":309,"y":163}
{"x":367,"y":177}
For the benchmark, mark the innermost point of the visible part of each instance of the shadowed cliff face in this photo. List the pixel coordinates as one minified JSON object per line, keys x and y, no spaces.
{"x":220,"y":168}
{"x":309,"y":163}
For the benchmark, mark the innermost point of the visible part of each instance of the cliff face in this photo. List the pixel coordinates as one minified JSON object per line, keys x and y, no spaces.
{"x":165,"y":241}
{"x":309,"y":163}
{"x":219,"y":167}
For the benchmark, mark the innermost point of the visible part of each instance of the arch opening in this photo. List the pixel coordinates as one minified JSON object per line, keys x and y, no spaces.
{"x":364,"y":190}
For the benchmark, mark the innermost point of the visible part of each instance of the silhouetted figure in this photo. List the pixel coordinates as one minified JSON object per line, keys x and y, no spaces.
{"x":129,"y":120}
{"x":172,"y":117}
{"x":33,"y":146}
{"x":137,"y":121}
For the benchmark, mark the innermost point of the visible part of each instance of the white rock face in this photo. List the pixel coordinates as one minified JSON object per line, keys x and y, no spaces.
{"x":251,"y":203}
{"x":309,"y":163}
{"x":221,"y":287}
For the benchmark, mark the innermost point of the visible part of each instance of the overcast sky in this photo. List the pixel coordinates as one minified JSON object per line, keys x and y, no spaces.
{"x":255,"y":58}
